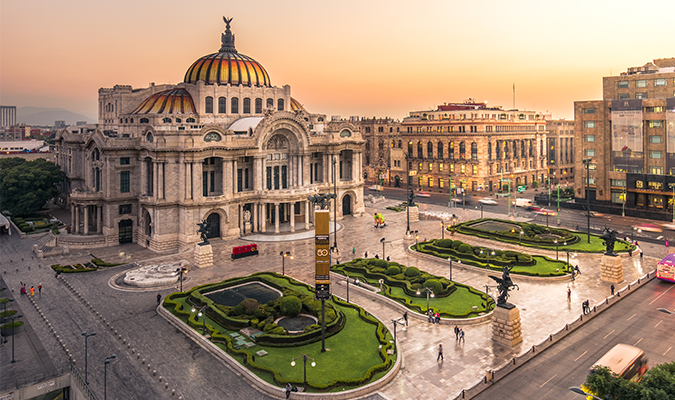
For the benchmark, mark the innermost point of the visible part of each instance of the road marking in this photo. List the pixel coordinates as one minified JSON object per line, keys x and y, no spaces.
{"x":667,"y":350}
{"x":658,"y":324}
{"x":631,"y":317}
{"x":580,"y":355}
{"x":636,"y":343}
{"x":549,"y":380}
{"x":609,"y":333}
{"x":650,"y":303}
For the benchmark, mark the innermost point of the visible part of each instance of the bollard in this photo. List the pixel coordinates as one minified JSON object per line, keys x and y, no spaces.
{"x":550,"y":338}
{"x":173,"y":392}
{"x":154,"y":372}
{"x":148,"y":367}
{"x":133,"y":351}
{"x":533,"y":350}
{"x":160,"y":378}
{"x":629,"y":286}
{"x":594,"y":309}
{"x":567,"y":327}
{"x":166,"y":385}
{"x":638,"y":281}
{"x":514,"y":361}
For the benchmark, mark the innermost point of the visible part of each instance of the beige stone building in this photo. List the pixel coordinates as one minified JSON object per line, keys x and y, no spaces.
{"x":223,"y":146}
{"x":628,"y":139}
{"x":381,"y":135}
{"x":560,"y":152}
{"x":473,"y":146}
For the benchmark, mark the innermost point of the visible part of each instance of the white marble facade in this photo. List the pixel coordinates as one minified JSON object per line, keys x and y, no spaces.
{"x":224,"y":146}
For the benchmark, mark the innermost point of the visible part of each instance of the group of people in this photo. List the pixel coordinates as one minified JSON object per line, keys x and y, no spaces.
{"x":434,"y":318}
{"x":459,"y":334}
{"x":586,"y":307}
{"x":32,"y":289}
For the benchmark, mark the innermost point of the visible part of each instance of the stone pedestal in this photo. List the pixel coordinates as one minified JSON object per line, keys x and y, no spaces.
{"x":611,"y":269}
{"x":506,"y":327}
{"x":203,"y":256}
{"x":414,"y":214}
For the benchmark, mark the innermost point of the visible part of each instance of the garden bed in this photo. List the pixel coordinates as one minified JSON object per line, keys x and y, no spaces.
{"x":94,"y":265}
{"x":538,"y":236}
{"x":357,"y":341}
{"x":401,"y":283}
{"x":37,"y":224}
{"x":477,"y":256}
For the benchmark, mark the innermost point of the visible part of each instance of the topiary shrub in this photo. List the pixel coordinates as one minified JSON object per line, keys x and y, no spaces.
{"x":379,"y":263}
{"x":246,"y":307}
{"x":400,"y":277}
{"x":393,"y":270}
{"x":412,"y":272}
{"x":434,"y":285}
{"x":277,"y":331}
{"x":444,"y":243}
{"x":290,"y":306}
{"x":269,"y":326}
{"x":456,"y":244}
{"x":311,"y":328}
{"x":464,"y":248}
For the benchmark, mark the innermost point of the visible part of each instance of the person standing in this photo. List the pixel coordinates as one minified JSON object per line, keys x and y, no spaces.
{"x":611,"y":289}
{"x":569,"y":294}
{"x":440,"y":353}
{"x":159,"y":298}
{"x":32,"y":291}
{"x":365,"y":255}
{"x":405,"y":317}
{"x":430,"y":316}
{"x":667,"y":243}
{"x":461,"y":335}
{"x":40,"y":289}
{"x":289,"y":388}
{"x":353,"y":250}
{"x":456,"y":333}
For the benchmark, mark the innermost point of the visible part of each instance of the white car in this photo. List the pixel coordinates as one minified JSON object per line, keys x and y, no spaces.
{"x":488,"y":201}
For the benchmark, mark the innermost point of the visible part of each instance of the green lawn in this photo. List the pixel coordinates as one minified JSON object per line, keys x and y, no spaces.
{"x":353,"y":351}
{"x":461,"y":301}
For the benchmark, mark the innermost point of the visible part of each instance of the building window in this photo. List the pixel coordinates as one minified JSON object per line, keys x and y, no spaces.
{"x":641,"y":95}
{"x":222,"y":105}
{"x":125,"y":161}
{"x":124,"y":181}
{"x":589,"y":138}
{"x":655,"y":124}
{"x":431,"y":167}
{"x":420,"y":154}
{"x":430,"y":150}
{"x":234,"y":105}
{"x":641,"y":83}
{"x":258,"y":106}
{"x":589,"y":124}
{"x":431,"y":182}
{"x":440,"y":167}
{"x":589,"y":110}
{"x":656,"y":170}
{"x":589,"y":152}
{"x":280,"y":105}
{"x":655,"y":154}
{"x":623,"y":96}
{"x":209,"y":105}
{"x":618,"y":182}
{"x":419,"y":166}
{"x":660,"y":82}
{"x":474,"y":169}
{"x":655,"y":185}
{"x":440,"y":150}
{"x":655,"y":139}
{"x":247,"y":105}
{"x":622,"y":84}
{"x":125,"y":209}
{"x":474,"y":151}
{"x":462,"y":169}
{"x":657,"y":109}
{"x":440,"y":183}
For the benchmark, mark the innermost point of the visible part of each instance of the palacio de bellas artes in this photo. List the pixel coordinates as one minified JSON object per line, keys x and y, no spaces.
{"x":224,"y":146}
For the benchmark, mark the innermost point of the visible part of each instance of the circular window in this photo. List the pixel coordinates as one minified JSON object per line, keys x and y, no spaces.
{"x":212,"y":137}
{"x":346,"y":133}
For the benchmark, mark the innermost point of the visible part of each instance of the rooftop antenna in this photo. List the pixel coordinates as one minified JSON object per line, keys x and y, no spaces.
{"x":514,"y":95}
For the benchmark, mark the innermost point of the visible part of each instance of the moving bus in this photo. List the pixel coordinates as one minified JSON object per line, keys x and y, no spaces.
{"x":665,"y":269}
{"x":625,"y":361}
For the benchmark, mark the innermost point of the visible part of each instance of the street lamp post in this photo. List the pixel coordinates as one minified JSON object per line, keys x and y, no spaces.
{"x":356,"y":282}
{"x":283,"y":255}
{"x":442,"y":230}
{"x":304,"y":358}
{"x":549,"y":191}
{"x":105,"y":375}
{"x":672,"y":185}
{"x":450,"y":275}
{"x":181,"y":271}
{"x":487,"y":253}
{"x":199,"y":314}
{"x":382,"y":241}
{"x":558,"y":209}
{"x":11,"y":321}
{"x":408,"y":190}
{"x":416,"y":238}
{"x":587,"y":165}
{"x":396,"y":322}
{"x":86,"y":336}
{"x":429,"y":293}
{"x":556,"y":248}
{"x":4,"y":304}
{"x":335,"y":243}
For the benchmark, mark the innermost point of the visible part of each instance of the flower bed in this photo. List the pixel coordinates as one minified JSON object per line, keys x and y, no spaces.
{"x":358,"y":342}
{"x":401,"y":283}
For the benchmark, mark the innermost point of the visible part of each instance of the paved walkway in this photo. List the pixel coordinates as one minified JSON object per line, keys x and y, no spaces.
{"x":193,"y":373}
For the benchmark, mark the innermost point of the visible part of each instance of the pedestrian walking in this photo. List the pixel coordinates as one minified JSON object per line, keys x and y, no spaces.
{"x":440,"y":353}
{"x":388,"y":259}
{"x":405,"y":317}
{"x":456,"y":333}
{"x":159,"y":298}
{"x":588,"y":306}
{"x":611,"y":289}
{"x":576,"y":268}
{"x":288,"y":389}
{"x":430,"y":315}
{"x":353,"y":250}
{"x":641,"y":254}
{"x":569,"y":294}
{"x":365,"y":255}
{"x":461,"y":335}
{"x":40,"y":289}
{"x":666,"y":242}
{"x":32,"y":291}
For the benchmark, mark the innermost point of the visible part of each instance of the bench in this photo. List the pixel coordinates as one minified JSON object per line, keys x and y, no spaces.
{"x":249,"y":344}
{"x":261,"y":353}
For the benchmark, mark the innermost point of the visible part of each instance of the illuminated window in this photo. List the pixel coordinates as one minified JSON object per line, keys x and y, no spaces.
{"x":440,"y":182}
{"x":589,"y":152}
{"x":462,"y":169}
{"x":589,"y":138}
{"x":431,"y":167}
{"x":655,"y":139}
{"x":419,"y":166}
{"x":641,"y":83}
{"x":589,"y":124}
{"x":660,"y":82}
{"x":656,"y":170}
{"x":655,"y":124}
{"x":440,"y":167}
{"x":655,"y":154}
{"x":474,"y":169}
{"x":452,"y":168}
{"x":431,"y":182}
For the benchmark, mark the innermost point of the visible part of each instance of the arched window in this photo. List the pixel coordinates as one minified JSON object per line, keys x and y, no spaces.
{"x":489,"y":151}
{"x":410,"y":149}
{"x":178,"y":120}
{"x":498,"y":151}
{"x":400,"y":144}
{"x":270,"y":103}
{"x":208,"y":105}
{"x":247,"y":105}
{"x":515,"y":149}
{"x":380,"y":145}
{"x":167,"y":120}
{"x":95,"y":155}
{"x":474,"y":151}
{"x":258,"y":106}
{"x":190,"y":120}
{"x":522,"y":149}
{"x":430,"y":150}
{"x":420,"y":154}
{"x":451,"y":150}
{"x":145,"y":121}
{"x":222,"y":105}
{"x":393,"y":143}
{"x":440,"y":150}
{"x":506,"y":149}
{"x":280,"y":104}
{"x":234,"y":105}
{"x":462,"y":150}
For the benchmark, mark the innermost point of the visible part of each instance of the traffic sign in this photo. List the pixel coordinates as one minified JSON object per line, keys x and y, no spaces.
{"x":521,"y":188}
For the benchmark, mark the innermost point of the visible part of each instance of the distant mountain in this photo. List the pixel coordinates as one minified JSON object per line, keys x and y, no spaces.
{"x":47,"y":116}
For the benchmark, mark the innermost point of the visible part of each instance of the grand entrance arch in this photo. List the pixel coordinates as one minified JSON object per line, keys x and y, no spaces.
{"x":126,"y":231}
{"x":214,"y":225}
{"x":346,"y":205}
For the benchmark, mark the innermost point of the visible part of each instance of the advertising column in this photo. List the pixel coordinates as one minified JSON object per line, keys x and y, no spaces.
{"x":322,"y":255}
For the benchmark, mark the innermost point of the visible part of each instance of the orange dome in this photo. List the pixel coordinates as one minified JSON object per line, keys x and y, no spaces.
{"x":227,"y":66}
{"x":172,"y":101}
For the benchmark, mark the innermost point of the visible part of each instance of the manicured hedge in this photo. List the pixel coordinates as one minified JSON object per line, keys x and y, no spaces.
{"x":100,"y":263}
{"x":72,"y":269}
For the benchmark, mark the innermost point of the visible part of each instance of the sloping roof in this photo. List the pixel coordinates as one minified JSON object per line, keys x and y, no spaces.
{"x":242,"y":124}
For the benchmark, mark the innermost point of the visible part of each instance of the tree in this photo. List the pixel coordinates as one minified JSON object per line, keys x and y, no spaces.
{"x":27,"y":186}
{"x":658,"y":383}
{"x":8,"y":163}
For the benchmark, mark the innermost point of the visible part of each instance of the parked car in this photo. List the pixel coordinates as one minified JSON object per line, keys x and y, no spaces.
{"x":488,"y":201}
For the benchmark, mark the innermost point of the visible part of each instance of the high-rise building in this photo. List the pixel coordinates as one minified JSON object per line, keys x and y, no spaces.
{"x":625,"y":143}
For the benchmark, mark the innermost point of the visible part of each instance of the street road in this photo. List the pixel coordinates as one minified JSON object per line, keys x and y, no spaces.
{"x":634,"y":321}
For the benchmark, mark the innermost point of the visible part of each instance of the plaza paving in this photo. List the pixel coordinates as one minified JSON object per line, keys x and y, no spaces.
{"x":194,"y":373}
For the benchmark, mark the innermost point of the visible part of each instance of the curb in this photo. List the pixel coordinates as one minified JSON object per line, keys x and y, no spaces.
{"x":264,"y":387}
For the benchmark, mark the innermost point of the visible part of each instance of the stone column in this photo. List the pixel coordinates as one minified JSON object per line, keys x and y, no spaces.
{"x":263,"y":217}
{"x":181,"y":192}
{"x":73,"y":222}
{"x":99,"y":223}
{"x":155,"y":183}
{"x":144,"y":177}
{"x":276,"y":217}
{"x":86,"y":220}
{"x":307,"y":211}
{"x":197,"y":180}
{"x":234,"y":176}
{"x":292,"y":214}
{"x":254,"y":211}
{"x":241,"y":219}
{"x":77,"y":219}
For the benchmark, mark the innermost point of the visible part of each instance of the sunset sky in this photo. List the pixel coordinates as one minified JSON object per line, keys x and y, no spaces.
{"x":364,"y":58}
